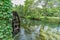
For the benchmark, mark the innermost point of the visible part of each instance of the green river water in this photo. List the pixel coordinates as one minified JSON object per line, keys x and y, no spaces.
{"x":38,"y":30}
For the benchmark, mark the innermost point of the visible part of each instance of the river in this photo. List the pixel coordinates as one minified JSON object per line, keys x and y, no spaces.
{"x":38,"y":30}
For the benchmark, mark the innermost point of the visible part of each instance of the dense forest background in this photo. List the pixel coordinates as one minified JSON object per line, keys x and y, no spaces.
{"x":40,"y":9}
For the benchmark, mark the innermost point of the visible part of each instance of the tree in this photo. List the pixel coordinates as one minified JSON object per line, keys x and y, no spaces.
{"x":30,"y":9}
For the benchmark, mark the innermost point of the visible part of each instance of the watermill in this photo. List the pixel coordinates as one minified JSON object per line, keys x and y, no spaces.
{"x":15,"y":23}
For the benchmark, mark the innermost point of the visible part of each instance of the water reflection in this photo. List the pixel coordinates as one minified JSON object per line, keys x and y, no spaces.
{"x":22,"y":34}
{"x":37,"y":30}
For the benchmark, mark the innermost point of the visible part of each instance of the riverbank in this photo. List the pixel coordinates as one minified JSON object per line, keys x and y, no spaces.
{"x":44,"y":19}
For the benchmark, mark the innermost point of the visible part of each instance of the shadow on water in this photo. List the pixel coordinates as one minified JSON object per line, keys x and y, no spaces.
{"x":37,"y":30}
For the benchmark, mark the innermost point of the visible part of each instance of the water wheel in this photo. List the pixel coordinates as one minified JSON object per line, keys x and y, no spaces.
{"x":15,"y":23}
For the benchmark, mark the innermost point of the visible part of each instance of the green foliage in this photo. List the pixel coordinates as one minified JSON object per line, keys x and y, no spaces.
{"x":5,"y":20}
{"x":31,"y":11}
{"x":48,"y":13}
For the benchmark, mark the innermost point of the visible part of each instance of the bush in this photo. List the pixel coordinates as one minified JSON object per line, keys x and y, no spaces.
{"x":5,"y":20}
